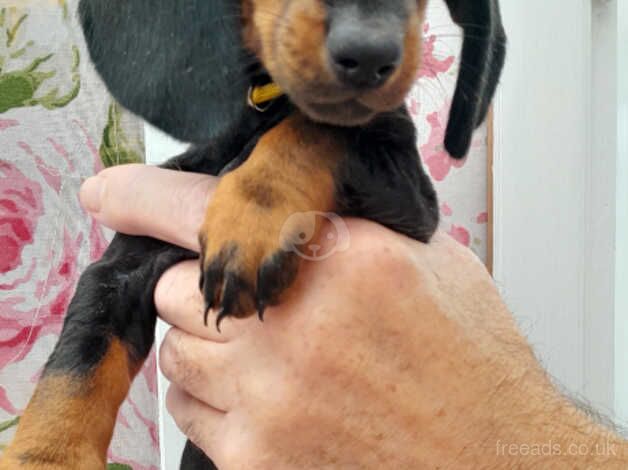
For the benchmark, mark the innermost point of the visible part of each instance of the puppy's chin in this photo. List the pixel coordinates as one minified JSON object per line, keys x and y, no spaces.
{"x":349,"y":113}
{"x":338,"y":106}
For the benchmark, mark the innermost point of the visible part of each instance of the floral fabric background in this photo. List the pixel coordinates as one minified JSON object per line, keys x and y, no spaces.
{"x":58,"y":126}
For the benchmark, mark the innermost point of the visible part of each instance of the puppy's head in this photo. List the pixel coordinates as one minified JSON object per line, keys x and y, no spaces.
{"x":186,"y":66}
{"x":340,"y":61}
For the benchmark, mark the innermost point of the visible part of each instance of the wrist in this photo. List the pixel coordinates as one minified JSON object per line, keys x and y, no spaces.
{"x":577,"y":440}
{"x":523,"y":421}
{"x":547,"y":430}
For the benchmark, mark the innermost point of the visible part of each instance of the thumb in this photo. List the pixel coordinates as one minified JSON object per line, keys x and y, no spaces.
{"x":144,"y":200}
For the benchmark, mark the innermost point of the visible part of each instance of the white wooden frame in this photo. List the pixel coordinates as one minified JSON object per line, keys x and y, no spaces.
{"x":621,"y":267}
{"x":555,"y":191}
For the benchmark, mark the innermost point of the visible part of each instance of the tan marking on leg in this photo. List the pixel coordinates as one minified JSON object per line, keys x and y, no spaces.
{"x":69,"y":421}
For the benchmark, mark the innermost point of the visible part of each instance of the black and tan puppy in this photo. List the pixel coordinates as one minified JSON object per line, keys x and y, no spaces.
{"x":338,"y":140}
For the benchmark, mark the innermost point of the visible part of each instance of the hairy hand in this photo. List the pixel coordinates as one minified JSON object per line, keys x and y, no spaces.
{"x":391,"y":354}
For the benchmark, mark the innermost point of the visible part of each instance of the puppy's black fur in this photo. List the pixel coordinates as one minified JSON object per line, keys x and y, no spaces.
{"x":181,"y":66}
{"x":481,"y":63}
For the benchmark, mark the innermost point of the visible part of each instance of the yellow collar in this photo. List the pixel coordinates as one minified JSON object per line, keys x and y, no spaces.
{"x":262,"y":95}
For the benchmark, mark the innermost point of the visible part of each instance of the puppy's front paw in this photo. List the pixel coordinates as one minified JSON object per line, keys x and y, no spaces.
{"x":247,"y":252}
{"x":263,"y":213}
{"x":240,"y":276}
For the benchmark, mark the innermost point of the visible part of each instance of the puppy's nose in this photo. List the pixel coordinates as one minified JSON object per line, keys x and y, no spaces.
{"x":363,"y":57}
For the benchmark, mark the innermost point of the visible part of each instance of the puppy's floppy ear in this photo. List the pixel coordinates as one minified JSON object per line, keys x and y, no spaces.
{"x":178,"y":64}
{"x":482,"y":60}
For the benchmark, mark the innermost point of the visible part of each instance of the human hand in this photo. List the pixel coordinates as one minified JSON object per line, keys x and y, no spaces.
{"x":392,"y":354}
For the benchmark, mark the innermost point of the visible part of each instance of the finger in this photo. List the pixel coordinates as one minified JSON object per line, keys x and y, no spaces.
{"x":180,"y":303}
{"x":201,"y":423}
{"x":204,"y":369}
{"x":144,"y":200}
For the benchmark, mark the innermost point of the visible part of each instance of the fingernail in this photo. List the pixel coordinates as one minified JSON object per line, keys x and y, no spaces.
{"x":91,"y":193}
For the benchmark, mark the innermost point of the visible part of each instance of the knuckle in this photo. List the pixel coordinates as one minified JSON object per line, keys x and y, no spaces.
{"x":381,"y":251}
{"x":177,"y":361}
{"x":374,"y":250}
{"x":172,"y":403}
{"x":168,"y":355}
{"x":164,"y":291}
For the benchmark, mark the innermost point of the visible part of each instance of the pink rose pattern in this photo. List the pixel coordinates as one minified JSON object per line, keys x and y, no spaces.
{"x":46,"y":239}
{"x":20,"y":208}
{"x":461,"y":184}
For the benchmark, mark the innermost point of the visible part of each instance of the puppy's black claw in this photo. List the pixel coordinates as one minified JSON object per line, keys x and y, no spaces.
{"x":211,"y":285}
{"x":225,"y":286}
{"x":261,"y":309}
{"x":201,"y":279}
{"x":238,"y":296}
{"x":275,"y":275}
{"x":209,"y":293}
{"x":206,"y":314}
{"x":219,"y":318}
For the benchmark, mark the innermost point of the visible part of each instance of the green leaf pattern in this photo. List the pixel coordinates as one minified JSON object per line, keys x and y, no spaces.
{"x":116,"y":148}
{"x":9,"y":424}
{"x":24,"y":85}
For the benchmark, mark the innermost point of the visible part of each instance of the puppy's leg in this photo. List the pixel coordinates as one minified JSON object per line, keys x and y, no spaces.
{"x":261,"y":210}
{"x":107,"y":334}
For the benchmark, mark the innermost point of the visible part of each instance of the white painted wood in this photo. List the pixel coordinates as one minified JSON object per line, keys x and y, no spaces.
{"x":160,"y":147}
{"x":621,"y":267}
{"x":542,"y":158}
{"x":600,"y":204}
{"x":561,"y":190}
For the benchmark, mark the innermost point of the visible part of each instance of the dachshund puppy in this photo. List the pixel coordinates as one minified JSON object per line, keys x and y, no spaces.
{"x":338,"y":139}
